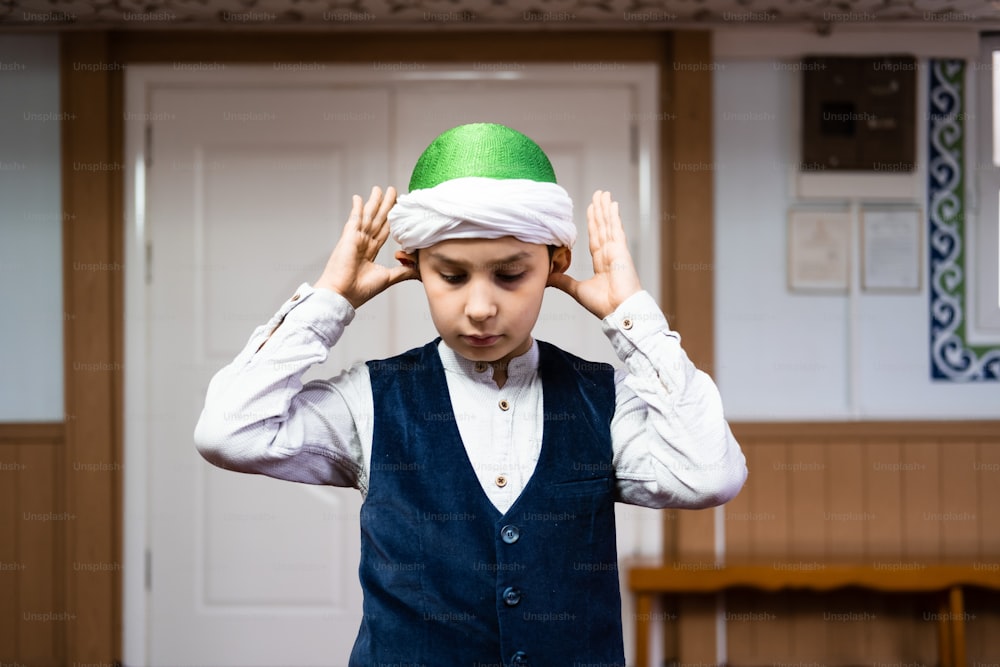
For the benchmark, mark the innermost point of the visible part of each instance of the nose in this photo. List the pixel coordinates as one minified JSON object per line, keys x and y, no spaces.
{"x":480,"y":304}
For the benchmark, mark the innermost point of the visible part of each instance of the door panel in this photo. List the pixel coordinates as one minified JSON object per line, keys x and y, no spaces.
{"x":248,"y":193}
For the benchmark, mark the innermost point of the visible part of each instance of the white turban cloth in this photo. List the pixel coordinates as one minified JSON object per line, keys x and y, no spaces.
{"x":473,"y":207}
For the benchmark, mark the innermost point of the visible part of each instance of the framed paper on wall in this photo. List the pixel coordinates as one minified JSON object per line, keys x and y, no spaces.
{"x":819,"y":250}
{"x":891,"y":249}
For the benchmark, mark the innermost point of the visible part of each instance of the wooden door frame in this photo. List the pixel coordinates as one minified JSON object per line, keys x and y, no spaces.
{"x":92,"y":85}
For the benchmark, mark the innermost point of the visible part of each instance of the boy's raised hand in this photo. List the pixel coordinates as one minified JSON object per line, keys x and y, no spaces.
{"x":351,"y":270}
{"x":615,"y":278}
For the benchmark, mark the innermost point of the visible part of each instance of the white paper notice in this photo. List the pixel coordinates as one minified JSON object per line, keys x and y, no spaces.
{"x":891,"y":239}
{"x":819,"y":247}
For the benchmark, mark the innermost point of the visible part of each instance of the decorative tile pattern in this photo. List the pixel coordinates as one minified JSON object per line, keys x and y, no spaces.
{"x":951,"y":357}
{"x":472,"y":14}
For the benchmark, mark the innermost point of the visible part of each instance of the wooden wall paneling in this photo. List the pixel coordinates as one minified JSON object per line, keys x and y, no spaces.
{"x":960,"y":511}
{"x":11,"y":568}
{"x":766,"y":526}
{"x":696,"y":536}
{"x":737,"y":519}
{"x":696,"y":623}
{"x":30,"y":541}
{"x":917,"y":473}
{"x":740,"y":606}
{"x":984,"y":642}
{"x":92,"y":293}
{"x":742,"y":542}
{"x":847,"y":510}
{"x":981,"y":636}
{"x":872,"y":472}
{"x":806,"y":472}
{"x":746,"y":611}
{"x":884,"y":538}
{"x":43,"y":614}
{"x":772,"y":537}
{"x":845,"y":515}
{"x":770,"y":495}
{"x":807,"y":478}
{"x":986,"y":470}
{"x":883,"y":490}
{"x":920,"y":479}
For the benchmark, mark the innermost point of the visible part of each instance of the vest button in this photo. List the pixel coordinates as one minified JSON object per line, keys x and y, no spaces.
{"x":511,"y":596}
{"x":520,"y":659}
{"x":510,"y":534}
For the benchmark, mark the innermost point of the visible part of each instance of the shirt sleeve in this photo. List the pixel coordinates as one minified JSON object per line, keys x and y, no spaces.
{"x":260,"y":418}
{"x":672,"y":444}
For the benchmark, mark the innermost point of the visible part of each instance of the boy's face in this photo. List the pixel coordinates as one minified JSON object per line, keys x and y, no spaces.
{"x":485,"y":294}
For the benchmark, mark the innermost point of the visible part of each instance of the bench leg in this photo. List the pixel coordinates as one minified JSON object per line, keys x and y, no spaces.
{"x":643,"y":614}
{"x":957,"y":622}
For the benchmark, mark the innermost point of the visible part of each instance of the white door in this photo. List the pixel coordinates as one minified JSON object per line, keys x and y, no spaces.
{"x":247,"y":191}
{"x":246,"y":195}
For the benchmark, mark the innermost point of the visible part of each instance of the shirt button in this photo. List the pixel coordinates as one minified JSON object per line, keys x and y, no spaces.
{"x":510,"y":534}
{"x":501,"y":481}
{"x":511,"y":596}
{"x":296,"y":297}
{"x":504,"y":405}
{"x":627,"y":323}
{"x":480,"y":366}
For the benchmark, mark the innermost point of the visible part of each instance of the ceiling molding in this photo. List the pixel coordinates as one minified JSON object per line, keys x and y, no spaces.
{"x":559,"y":15}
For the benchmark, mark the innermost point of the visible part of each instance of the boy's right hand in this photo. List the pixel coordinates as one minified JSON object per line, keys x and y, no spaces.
{"x":351,"y":270}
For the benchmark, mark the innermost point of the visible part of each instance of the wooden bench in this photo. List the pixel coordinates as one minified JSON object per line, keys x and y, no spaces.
{"x":889,"y":577}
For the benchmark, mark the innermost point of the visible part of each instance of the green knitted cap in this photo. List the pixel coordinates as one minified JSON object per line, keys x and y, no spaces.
{"x":481,"y":149}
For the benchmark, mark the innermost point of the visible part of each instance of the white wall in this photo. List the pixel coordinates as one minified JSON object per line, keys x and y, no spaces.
{"x":31,"y":341}
{"x":783,"y":355}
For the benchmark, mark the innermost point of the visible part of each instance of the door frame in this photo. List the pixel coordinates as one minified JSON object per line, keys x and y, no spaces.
{"x":93,"y":90}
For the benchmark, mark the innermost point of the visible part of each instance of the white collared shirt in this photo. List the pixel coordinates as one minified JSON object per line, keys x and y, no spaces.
{"x":672,"y":445}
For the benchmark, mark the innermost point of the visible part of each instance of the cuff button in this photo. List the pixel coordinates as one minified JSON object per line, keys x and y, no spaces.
{"x":627,"y":323}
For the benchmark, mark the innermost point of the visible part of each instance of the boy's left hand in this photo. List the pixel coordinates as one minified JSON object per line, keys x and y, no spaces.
{"x":615,"y":278}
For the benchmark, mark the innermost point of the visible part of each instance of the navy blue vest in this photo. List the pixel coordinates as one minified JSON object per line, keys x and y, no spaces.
{"x":448,"y":580}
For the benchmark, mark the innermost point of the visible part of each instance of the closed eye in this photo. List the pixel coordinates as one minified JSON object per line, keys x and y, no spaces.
{"x":452,"y":278}
{"x":510,"y":277}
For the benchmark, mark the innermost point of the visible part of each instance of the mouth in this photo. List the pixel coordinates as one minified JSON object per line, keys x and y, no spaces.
{"x":480,"y":341}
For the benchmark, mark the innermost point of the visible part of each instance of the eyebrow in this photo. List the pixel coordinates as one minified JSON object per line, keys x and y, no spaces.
{"x":463,"y":264}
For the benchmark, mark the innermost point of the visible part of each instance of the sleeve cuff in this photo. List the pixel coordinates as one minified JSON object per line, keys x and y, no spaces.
{"x":321,"y":310}
{"x":635,"y":320}
{"x":643,"y":340}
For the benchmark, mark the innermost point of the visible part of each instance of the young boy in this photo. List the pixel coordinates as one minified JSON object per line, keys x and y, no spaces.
{"x":478,"y":531}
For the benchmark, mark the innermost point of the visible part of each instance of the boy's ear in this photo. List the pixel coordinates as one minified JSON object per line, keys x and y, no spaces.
{"x":561,"y":258}
{"x":408,"y":260}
